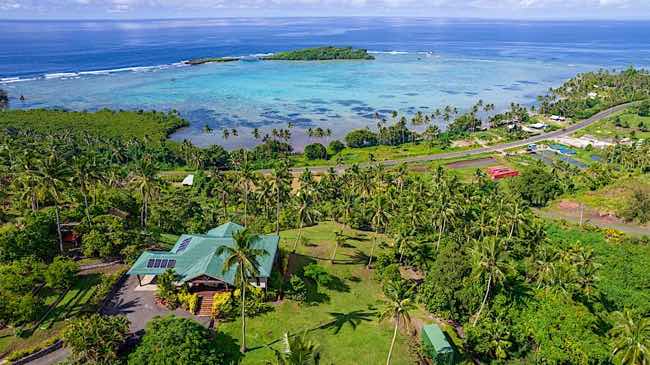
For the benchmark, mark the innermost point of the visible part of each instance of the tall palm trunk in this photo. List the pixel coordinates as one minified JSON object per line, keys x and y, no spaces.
{"x":372,"y":251}
{"x":86,"y":206}
{"x":514,"y":222}
{"x":487,"y":292}
{"x":242,"y":349}
{"x":295,"y":244}
{"x":246,"y":205}
{"x":336,"y":246}
{"x":442,"y":228}
{"x":392,"y":343}
{"x":224,"y":197}
{"x":277,"y":214}
{"x":58,"y":226}
{"x":34,"y":202}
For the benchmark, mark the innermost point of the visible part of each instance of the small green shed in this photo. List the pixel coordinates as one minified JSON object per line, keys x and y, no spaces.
{"x":436,"y":345}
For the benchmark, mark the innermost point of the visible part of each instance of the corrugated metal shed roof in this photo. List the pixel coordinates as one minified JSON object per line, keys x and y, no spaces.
{"x":436,"y":338}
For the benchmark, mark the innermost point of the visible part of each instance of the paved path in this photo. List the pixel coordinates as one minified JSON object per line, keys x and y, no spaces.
{"x":503,"y":146}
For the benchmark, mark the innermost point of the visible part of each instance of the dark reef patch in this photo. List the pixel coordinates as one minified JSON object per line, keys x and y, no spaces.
{"x":349,"y":102}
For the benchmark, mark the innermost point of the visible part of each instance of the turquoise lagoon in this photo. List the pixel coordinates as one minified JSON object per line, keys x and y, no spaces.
{"x":339,"y":95}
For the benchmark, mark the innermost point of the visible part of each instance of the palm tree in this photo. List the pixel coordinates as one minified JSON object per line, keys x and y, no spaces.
{"x":83,"y":175}
{"x":256,"y":133}
{"x":397,"y":308}
{"x":380,"y":219}
{"x":280,"y":183}
{"x":53,"y":171}
{"x":148,"y":184}
{"x":297,"y":350}
{"x":306,"y":211}
{"x":490,"y":261}
{"x":631,"y":337}
{"x":243,"y":255}
{"x":338,"y":240}
{"x":246,"y":181}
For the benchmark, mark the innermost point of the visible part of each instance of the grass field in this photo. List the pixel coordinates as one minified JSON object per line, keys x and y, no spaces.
{"x":357,"y":336}
{"x":350,"y":156}
{"x":612,"y":198}
{"x":607,"y":129}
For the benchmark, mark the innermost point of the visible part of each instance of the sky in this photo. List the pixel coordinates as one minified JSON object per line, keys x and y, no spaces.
{"x":502,"y":9}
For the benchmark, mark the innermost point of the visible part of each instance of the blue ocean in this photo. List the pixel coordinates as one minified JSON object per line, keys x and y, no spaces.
{"x":420,"y":65}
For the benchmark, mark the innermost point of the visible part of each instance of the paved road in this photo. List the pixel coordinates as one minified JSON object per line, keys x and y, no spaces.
{"x":443,"y":156}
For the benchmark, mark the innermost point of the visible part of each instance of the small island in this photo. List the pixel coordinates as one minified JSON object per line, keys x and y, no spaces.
{"x":306,"y":54}
{"x":321,"y":54}
{"x":201,"y":61}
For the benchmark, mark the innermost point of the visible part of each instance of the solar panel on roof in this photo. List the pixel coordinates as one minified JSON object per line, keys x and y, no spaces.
{"x":171,"y":263}
{"x":150,"y":263}
{"x":163,"y":263}
{"x":184,"y":244}
{"x":156,"y":264}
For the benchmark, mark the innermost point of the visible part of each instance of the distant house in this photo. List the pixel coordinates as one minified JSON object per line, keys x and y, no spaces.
{"x":501,"y":172}
{"x":196,"y":262}
{"x":557,"y":118}
{"x":188,"y":180}
{"x":538,"y":125}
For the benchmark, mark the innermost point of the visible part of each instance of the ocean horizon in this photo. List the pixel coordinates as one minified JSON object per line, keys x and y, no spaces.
{"x":421,"y":64}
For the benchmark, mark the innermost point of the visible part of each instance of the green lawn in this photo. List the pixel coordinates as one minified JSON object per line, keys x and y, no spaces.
{"x":74,"y":302}
{"x":356,"y":301}
{"x":607,"y":129}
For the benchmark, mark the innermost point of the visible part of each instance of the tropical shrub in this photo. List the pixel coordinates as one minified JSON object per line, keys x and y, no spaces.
{"x":222,"y":305}
{"x":96,"y":339}
{"x":315,"y":151}
{"x":166,"y":291}
{"x":297,"y":289}
{"x":361,"y":138}
{"x":60,"y":274}
{"x":318,"y":274}
{"x":638,"y":207}
{"x":177,"y":340}
{"x":189,"y":302}
{"x":336,"y":146}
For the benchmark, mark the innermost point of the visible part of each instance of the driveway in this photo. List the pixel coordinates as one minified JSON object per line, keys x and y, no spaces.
{"x":140,"y":306}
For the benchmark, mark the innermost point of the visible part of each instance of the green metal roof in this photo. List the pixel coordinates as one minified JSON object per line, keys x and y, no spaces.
{"x":199,"y":257}
{"x":225,"y":230}
{"x":436,"y":338}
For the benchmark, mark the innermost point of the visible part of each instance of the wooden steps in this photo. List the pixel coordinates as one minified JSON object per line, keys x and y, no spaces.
{"x":205,"y":304}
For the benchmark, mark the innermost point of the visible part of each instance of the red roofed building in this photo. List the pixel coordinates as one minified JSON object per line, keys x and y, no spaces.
{"x":501,"y":172}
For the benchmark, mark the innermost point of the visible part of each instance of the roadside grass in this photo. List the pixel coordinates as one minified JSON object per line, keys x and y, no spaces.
{"x":349,"y":156}
{"x":612,"y":198}
{"x":343,"y":320}
{"x":607,"y":129}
